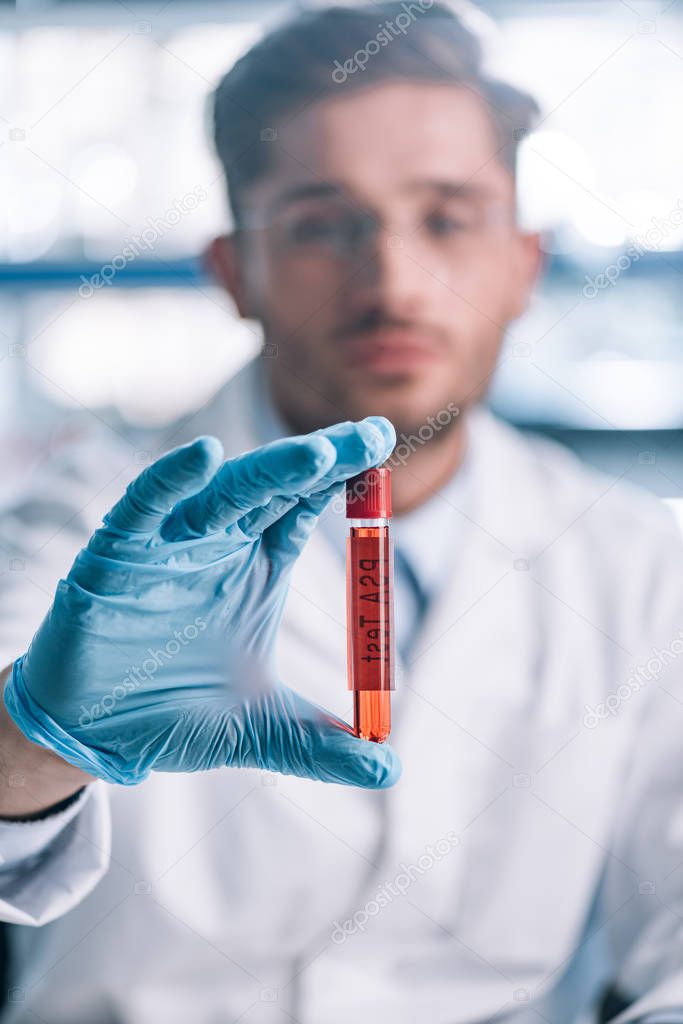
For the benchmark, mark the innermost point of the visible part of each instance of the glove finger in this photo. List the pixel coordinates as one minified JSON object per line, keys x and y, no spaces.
{"x":286,"y":538}
{"x":176,"y":475}
{"x":337,"y":755}
{"x":367,"y":442}
{"x":248,"y":482}
{"x":285,"y":468}
{"x":260,"y":519}
{"x":351,"y":442}
{"x":293,"y":736}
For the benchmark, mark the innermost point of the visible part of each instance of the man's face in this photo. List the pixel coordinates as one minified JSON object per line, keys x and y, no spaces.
{"x":384,"y":261}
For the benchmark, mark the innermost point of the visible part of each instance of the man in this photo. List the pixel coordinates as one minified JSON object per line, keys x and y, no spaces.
{"x":538,"y":821}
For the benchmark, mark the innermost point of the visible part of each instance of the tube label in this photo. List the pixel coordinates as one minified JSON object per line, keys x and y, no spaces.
{"x":370,"y":625}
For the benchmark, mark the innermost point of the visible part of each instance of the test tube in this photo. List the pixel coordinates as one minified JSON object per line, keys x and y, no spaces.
{"x":370,"y":602}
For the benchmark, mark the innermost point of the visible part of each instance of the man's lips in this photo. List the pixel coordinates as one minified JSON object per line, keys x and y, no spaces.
{"x":389,"y":349}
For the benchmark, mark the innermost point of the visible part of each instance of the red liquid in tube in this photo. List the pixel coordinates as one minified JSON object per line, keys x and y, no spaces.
{"x":369,"y":602}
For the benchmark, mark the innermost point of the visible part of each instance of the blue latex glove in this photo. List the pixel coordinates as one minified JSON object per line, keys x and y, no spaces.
{"x":158,"y":651}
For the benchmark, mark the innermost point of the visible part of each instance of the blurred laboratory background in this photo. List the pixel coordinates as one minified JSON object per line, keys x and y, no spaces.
{"x":103,"y":131}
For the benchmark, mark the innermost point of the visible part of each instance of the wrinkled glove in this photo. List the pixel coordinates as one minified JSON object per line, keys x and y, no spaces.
{"x":158,"y":651}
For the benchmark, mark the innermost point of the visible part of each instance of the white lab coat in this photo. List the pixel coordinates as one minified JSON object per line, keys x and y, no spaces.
{"x":227,"y":890}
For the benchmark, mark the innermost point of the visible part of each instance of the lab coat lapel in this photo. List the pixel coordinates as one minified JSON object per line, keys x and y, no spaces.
{"x":468,"y":676}
{"x":479,"y":623}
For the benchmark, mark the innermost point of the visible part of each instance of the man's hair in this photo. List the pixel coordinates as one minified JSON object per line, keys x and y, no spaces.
{"x":320,"y":52}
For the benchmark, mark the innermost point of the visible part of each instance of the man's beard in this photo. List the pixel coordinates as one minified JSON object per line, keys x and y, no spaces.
{"x":309,"y":397}
{"x":435,"y":427}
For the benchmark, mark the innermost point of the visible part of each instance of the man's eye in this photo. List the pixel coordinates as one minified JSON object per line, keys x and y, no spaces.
{"x":317,"y":229}
{"x":443,"y":224}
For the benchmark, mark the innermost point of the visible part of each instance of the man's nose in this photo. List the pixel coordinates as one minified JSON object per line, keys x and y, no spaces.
{"x":389,"y":276}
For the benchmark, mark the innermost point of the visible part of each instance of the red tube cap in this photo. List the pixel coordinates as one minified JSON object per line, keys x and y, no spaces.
{"x":368,"y":495}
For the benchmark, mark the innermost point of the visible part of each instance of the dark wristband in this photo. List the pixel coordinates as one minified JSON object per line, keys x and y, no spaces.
{"x":48,"y":812}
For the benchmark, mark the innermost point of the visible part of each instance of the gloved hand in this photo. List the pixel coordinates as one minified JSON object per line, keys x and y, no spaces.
{"x":158,"y":651}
